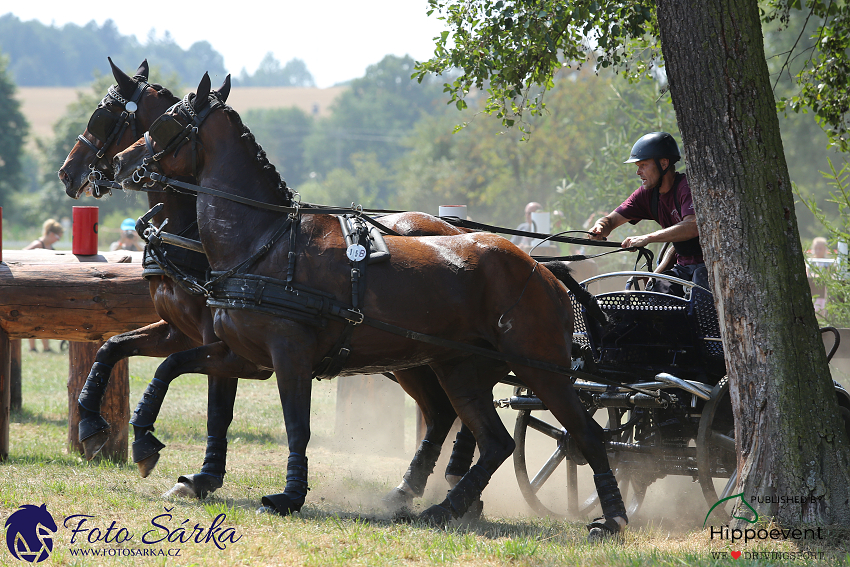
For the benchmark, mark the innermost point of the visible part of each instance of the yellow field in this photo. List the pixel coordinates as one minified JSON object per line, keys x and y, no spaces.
{"x":43,"y":106}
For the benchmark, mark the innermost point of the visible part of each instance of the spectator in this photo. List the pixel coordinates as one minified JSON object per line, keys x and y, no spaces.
{"x":528,"y":226}
{"x":818,"y":261}
{"x":51,"y":232}
{"x":128,"y":239}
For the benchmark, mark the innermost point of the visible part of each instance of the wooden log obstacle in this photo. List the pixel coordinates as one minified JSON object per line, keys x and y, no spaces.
{"x":83,"y":299}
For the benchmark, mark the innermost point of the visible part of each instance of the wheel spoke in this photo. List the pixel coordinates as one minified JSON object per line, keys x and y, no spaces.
{"x":545,"y":428}
{"x":546,"y":471}
{"x":723,"y":441}
{"x":730,"y":485}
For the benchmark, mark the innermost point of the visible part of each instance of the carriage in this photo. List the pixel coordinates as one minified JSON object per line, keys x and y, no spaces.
{"x":656,"y":367}
{"x":662,"y":393}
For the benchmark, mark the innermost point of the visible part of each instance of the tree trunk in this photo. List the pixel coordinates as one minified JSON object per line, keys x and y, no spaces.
{"x":788,"y":431}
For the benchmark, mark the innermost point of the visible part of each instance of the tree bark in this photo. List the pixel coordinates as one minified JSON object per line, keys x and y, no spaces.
{"x":788,"y":432}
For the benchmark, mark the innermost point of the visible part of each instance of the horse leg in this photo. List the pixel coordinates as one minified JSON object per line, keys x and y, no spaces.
{"x":159,"y":339}
{"x":422,"y":385}
{"x":559,"y":396}
{"x":295,"y":390}
{"x":212,"y":358}
{"x":469,"y":385}
{"x":220,"y":399}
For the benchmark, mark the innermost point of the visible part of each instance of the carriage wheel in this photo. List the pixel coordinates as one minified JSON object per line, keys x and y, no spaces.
{"x":554,"y":480}
{"x":715,"y":444}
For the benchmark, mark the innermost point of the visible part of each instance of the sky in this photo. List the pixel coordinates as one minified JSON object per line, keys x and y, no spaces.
{"x":337,"y":39}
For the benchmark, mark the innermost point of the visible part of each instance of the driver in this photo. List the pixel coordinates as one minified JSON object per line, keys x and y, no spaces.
{"x":664,"y":197}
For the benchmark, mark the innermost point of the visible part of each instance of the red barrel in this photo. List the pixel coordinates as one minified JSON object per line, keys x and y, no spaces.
{"x":84,"y":240}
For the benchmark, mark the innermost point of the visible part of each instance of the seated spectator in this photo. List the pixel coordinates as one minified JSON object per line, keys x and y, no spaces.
{"x":128,"y":240}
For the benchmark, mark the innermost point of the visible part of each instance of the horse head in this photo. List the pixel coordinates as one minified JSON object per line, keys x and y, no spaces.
{"x":175,"y":144}
{"x":128,"y":109}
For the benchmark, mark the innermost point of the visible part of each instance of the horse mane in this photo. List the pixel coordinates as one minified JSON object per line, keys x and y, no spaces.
{"x":260,"y":155}
{"x":163,"y":91}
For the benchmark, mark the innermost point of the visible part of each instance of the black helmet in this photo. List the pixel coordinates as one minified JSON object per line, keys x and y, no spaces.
{"x":655,"y":145}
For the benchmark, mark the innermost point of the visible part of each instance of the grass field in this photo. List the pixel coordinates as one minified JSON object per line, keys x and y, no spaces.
{"x":342,"y":524}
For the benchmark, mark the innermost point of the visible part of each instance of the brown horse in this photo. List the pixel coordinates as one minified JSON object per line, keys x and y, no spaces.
{"x":187,"y":322}
{"x":476,"y":290}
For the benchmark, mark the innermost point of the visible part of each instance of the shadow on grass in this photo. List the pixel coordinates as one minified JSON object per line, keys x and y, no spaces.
{"x":25,"y":415}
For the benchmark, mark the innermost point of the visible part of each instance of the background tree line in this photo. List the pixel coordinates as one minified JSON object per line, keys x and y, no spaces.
{"x":388,"y":140}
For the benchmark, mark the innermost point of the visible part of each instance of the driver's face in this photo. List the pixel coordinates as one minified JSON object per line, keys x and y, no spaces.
{"x":648,"y":172}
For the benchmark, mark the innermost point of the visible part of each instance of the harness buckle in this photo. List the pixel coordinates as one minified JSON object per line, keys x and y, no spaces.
{"x":355,"y":320}
{"x":140,"y":174}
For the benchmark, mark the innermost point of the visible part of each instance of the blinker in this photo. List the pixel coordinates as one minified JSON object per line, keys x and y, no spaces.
{"x":102,"y":123}
{"x":165,"y":130}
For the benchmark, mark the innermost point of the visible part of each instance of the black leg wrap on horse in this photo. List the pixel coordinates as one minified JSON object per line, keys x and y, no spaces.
{"x":462,"y":453}
{"x":146,"y":446}
{"x":201,"y":484}
{"x":147,"y":411}
{"x":211,"y":477}
{"x":91,"y":396}
{"x":215,"y":457}
{"x":611,"y":502}
{"x":91,"y":425}
{"x":461,"y":497}
{"x":296,"y":489}
{"x":422,"y":466}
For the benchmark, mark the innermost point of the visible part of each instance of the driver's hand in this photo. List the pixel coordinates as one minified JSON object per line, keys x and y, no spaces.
{"x":635,"y":242}
{"x":595,"y":233}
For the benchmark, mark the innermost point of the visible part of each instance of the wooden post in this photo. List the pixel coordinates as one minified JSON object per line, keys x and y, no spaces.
{"x":5,"y":394}
{"x":116,"y":405}
{"x":15,"y":355}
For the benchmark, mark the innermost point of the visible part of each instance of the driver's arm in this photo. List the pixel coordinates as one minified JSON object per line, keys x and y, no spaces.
{"x":679,"y":232}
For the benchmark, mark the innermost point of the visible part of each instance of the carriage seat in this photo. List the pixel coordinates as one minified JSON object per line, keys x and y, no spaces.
{"x":654,"y":332}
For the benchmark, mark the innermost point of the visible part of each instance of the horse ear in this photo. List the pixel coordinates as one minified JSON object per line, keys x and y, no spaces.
{"x":224,"y":90}
{"x":143,"y":71}
{"x":126,"y":85}
{"x":202,"y":95}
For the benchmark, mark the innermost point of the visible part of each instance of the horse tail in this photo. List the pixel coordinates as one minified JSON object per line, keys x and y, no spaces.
{"x":562,"y":271}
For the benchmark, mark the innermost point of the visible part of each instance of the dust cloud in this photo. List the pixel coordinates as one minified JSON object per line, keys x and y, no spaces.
{"x":374,"y":438}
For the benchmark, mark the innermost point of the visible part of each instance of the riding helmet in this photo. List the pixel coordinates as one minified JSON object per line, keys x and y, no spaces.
{"x":655,"y":145}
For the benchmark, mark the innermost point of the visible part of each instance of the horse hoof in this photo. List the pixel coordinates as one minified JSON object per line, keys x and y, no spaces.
{"x":195,"y":486}
{"x":146,"y":453}
{"x":604,"y":529}
{"x":181,"y":489}
{"x":93,"y":444}
{"x":147,"y":465}
{"x":397,"y":500}
{"x":437,"y":515}
{"x":280,"y":504}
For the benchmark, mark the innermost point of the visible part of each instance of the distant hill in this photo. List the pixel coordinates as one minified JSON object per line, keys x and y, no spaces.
{"x":71,"y":55}
{"x":42,"y":106}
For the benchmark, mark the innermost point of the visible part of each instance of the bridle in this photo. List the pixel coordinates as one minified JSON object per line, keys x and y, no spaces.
{"x":107,"y":128}
{"x":170,"y":133}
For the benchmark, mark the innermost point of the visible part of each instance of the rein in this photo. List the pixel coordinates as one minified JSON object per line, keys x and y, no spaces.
{"x":141,"y":173}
